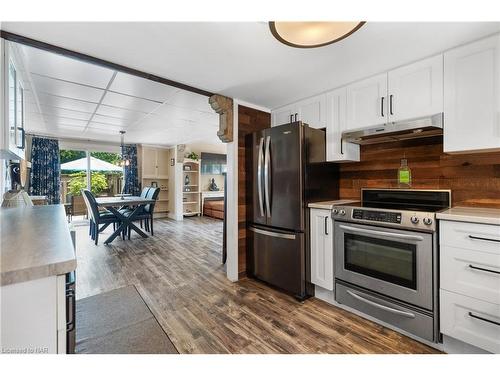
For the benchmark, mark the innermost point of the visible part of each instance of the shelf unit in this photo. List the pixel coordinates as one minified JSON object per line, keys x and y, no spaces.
{"x":191,"y":199}
{"x":155,"y":168}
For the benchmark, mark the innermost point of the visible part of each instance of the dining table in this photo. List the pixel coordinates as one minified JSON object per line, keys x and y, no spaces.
{"x":113,"y":204}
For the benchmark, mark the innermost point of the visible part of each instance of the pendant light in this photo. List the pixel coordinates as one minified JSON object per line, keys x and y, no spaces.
{"x":123,"y":162}
{"x":312,"y":34}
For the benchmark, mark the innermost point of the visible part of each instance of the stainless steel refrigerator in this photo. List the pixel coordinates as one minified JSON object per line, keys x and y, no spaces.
{"x":287,"y":171}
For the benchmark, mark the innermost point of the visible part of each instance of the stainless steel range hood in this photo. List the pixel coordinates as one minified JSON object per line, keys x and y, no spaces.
{"x":396,"y":131}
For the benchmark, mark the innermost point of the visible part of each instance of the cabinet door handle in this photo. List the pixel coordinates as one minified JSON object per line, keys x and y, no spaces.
{"x":483,"y":319}
{"x":382,"y":106}
{"x":390,"y":104}
{"x":483,"y":238}
{"x":326,"y":225}
{"x":483,"y":269}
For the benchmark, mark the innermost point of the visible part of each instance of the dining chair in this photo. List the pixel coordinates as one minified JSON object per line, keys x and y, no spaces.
{"x":147,"y":212}
{"x":98,"y":217}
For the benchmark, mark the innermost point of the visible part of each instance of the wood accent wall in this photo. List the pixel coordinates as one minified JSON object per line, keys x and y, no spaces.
{"x":474,"y":179}
{"x":249,"y":120}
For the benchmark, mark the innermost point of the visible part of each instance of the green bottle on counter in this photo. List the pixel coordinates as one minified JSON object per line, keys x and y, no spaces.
{"x":404,"y":174}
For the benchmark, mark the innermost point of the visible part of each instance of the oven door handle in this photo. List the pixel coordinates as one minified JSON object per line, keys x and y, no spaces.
{"x":383,"y":234}
{"x":382,"y":307}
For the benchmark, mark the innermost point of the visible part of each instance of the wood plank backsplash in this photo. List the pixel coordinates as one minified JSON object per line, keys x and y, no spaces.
{"x":249,"y":120}
{"x":474,"y":179}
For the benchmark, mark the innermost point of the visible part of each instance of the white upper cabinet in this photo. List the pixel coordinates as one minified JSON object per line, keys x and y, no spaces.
{"x":416,"y":90}
{"x":367,"y":102}
{"x":321,"y":248}
{"x":12,"y":114}
{"x":312,"y":111}
{"x":472,"y":97}
{"x":336,"y":149}
{"x":282,"y":115}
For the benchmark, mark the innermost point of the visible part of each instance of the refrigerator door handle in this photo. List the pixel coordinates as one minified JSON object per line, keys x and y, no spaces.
{"x":259,"y":175}
{"x":267,"y":177}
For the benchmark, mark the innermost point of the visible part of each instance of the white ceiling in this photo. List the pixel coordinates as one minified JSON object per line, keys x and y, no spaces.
{"x":74,"y":99}
{"x":243,"y":60}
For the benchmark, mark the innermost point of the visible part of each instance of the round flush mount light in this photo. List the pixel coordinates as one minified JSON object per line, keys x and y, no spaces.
{"x":312,"y":34}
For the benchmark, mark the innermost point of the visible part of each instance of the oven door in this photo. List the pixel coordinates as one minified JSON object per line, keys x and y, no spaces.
{"x":395,"y":263}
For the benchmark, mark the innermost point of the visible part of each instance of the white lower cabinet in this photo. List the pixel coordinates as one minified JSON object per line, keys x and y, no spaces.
{"x":321,"y":248}
{"x":471,"y":320}
{"x":470,"y":283}
{"x":33,"y":316}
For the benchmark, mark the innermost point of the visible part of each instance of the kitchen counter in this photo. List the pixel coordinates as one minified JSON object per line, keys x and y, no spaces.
{"x":328,"y":205}
{"x":471,"y":215}
{"x":35,"y":243}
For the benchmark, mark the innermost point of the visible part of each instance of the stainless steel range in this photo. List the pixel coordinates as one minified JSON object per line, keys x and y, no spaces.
{"x":386,"y":262}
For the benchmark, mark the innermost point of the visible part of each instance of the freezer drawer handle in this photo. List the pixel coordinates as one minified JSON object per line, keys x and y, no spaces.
{"x":382,"y":307}
{"x":326,"y":225}
{"x":259,"y":175}
{"x":273,"y":234}
{"x":483,"y":239}
{"x":483,"y":269}
{"x":385,"y":234}
{"x":483,"y":319}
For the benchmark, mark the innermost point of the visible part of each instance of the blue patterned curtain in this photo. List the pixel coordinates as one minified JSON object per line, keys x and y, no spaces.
{"x":129,"y":152}
{"x":45,"y":169}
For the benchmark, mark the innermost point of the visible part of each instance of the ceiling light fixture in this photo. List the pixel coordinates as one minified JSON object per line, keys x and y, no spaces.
{"x":123,"y":162}
{"x":312,"y":34}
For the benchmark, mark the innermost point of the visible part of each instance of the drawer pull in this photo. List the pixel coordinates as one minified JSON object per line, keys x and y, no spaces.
{"x":483,"y":238}
{"x":382,"y":307}
{"x":483,"y":269}
{"x":483,"y":319}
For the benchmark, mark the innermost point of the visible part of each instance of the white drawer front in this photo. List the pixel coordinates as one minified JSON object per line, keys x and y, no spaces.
{"x":472,"y":273}
{"x":481,"y":237}
{"x":461,"y":318}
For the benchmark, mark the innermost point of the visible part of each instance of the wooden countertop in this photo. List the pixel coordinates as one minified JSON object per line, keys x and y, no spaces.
{"x":471,"y":215}
{"x":35,"y":243}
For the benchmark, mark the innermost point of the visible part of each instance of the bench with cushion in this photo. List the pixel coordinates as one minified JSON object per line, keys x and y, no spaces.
{"x":214,"y":208}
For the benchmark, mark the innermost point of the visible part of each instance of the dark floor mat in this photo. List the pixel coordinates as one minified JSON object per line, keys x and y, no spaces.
{"x":118,"y":322}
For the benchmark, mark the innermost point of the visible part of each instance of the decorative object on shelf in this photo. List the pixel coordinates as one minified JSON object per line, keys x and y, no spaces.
{"x":312,"y":34}
{"x":213,"y":186}
{"x":180,"y":153}
{"x":404,"y":174}
{"x":172,"y":162}
{"x":193,"y":156}
{"x":187,"y":189}
{"x":124,"y":162}
{"x":186,"y":180}
{"x":187,"y":167}
{"x":224,"y":107}
{"x":154,"y":184}
{"x":184,"y":199}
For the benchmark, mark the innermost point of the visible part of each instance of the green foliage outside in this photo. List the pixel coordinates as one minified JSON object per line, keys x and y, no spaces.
{"x":70,"y":155}
{"x":78,"y":182}
{"x":110,"y":157}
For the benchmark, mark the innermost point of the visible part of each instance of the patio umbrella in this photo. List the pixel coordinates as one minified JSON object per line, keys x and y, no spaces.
{"x":95,"y":165}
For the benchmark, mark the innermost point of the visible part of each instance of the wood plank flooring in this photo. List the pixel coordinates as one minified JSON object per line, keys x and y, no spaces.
{"x":180,"y":276}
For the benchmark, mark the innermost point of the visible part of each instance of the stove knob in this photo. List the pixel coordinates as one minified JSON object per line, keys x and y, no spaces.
{"x":342,"y":212}
{"x":414,"y":220}
{"x":335,"y":211}
{"x":427,"y":221}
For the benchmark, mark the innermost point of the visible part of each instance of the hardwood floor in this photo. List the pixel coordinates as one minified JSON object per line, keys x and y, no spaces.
{"x":180,"y":276}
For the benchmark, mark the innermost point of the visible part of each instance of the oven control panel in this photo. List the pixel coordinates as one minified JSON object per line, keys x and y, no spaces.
{"x":381,"y":216}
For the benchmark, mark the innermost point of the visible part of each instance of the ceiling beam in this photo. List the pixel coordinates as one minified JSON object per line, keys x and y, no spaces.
{"x":94,"y":60}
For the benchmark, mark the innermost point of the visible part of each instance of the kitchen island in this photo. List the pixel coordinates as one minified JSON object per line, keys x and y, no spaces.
{"x":36,"y":253}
